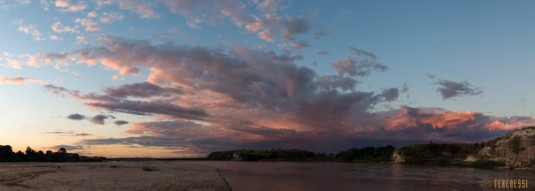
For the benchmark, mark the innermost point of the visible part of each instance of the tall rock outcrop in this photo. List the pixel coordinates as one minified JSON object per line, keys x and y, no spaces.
{"x":501,"y":148}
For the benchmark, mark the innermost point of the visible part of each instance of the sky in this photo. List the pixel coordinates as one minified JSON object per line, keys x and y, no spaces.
{"x":183,"y":78}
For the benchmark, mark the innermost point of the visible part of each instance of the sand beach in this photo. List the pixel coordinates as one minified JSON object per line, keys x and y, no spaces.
{"x":114,"y":175}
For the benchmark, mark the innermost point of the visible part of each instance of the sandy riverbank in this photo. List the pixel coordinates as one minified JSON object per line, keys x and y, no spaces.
{"x":144,"y":175}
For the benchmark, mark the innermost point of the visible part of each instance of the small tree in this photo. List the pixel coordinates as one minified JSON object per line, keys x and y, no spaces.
{"x":514,"y":143}
{"x":62,"y":151}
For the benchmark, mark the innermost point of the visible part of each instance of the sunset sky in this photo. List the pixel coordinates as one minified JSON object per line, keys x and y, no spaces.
{"x":181,"y":78}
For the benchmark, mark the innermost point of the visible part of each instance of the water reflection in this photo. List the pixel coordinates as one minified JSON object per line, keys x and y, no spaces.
{"x":354,"y":176}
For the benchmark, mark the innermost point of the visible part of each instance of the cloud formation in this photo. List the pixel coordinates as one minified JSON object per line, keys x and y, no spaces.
{"x":353,"y":67}
{"x":295,"y":26}
{"x":207,"y":99}
{"x":68,"y":133}
{"x":224,"y":88}
{"x":76,"y":117}
{"x":99,"y":119}
{"x":67,"y":147}
{"x":139,"y":7}
{"x":120,"y":122}
{"x":443,"y":125}
{"x":19,"y":80}
{"x":450,"y":89}
{"x":142,"y":90}
{"x":31,"y":29}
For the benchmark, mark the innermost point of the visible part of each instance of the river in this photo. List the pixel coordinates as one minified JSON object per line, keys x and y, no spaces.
{"x":296,"y":176}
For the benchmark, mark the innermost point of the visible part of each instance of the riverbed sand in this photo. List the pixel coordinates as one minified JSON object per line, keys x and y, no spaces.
{"x":142,"y":175}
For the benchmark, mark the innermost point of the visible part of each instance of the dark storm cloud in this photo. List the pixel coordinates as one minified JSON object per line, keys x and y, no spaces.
{"x":76,"y":116}
{"x":354,"y":67}
{"x":67,"y":147}
{"x":60,"y":91}
{"x":450,"y":89}
{"x":322,"y":53}
{"x":295,"y":26}
{"x":120,"y":122}
{"x":283,"y":103}
{"x":363,"y":53}
{"x":270,"y":84}
{"x":114,"y":101}
{"x":143,"y":90}
{"x":146,"y":108}
{"x":335,"y":81}
{"x":390,"y":94}
{"x":99,"y":119}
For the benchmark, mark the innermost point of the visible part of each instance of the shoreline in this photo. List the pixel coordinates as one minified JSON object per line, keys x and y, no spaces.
{"x":114,"y":175}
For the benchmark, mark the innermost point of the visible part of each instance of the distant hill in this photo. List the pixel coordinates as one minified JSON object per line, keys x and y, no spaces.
{"x":365,"y":154}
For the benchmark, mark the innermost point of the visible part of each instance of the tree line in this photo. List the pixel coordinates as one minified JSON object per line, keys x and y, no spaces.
{"x":30,"y":155}
{"x":365,"y":154}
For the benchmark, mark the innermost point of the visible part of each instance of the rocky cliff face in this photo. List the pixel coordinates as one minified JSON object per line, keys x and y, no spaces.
{"x":500,"y":148}
{"x":397,"y":157}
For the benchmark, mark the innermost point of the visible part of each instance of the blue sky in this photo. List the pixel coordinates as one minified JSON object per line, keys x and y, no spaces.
{"x":191,"y":77}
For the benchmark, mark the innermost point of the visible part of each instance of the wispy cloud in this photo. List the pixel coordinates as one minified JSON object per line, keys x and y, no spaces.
{"x":139,"y":7}
{"x":450,"y":89}
{"x":59,"y":28}
{"x":19,"y":80}
{"x":62,"y":3}
{"x":68,"y":147}
{"x":294,"y":26}
{"x":31,"y":29}
{"x":109,"y":17}
{"x":78,"y":7}
{"x":89,"y":24}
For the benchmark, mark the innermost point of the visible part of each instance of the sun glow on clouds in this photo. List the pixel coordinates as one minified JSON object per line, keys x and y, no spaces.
{"x":190,"y":99}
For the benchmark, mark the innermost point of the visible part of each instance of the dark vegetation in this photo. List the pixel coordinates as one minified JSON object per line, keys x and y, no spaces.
{"x":30,"y":155}
{"x":446,"y":155}
{"x":421,"y":154}
{"x":365,"y":154}
{"x":433,"y":153}
{"x":514,"y":143}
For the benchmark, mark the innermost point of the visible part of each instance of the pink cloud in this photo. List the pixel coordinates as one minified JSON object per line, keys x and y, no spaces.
{"x":263,"y":98}
{"x":62,"y":3}
{"x":449,"y":125}
{"x":19,"y":80}
{"x":89,"y":24}
{"x":139,"y":7}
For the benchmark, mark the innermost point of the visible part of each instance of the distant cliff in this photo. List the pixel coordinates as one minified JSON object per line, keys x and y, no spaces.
{"x":515,"y":149}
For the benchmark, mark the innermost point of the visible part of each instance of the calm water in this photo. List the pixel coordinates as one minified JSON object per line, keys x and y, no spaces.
{"x":351,"y":176}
